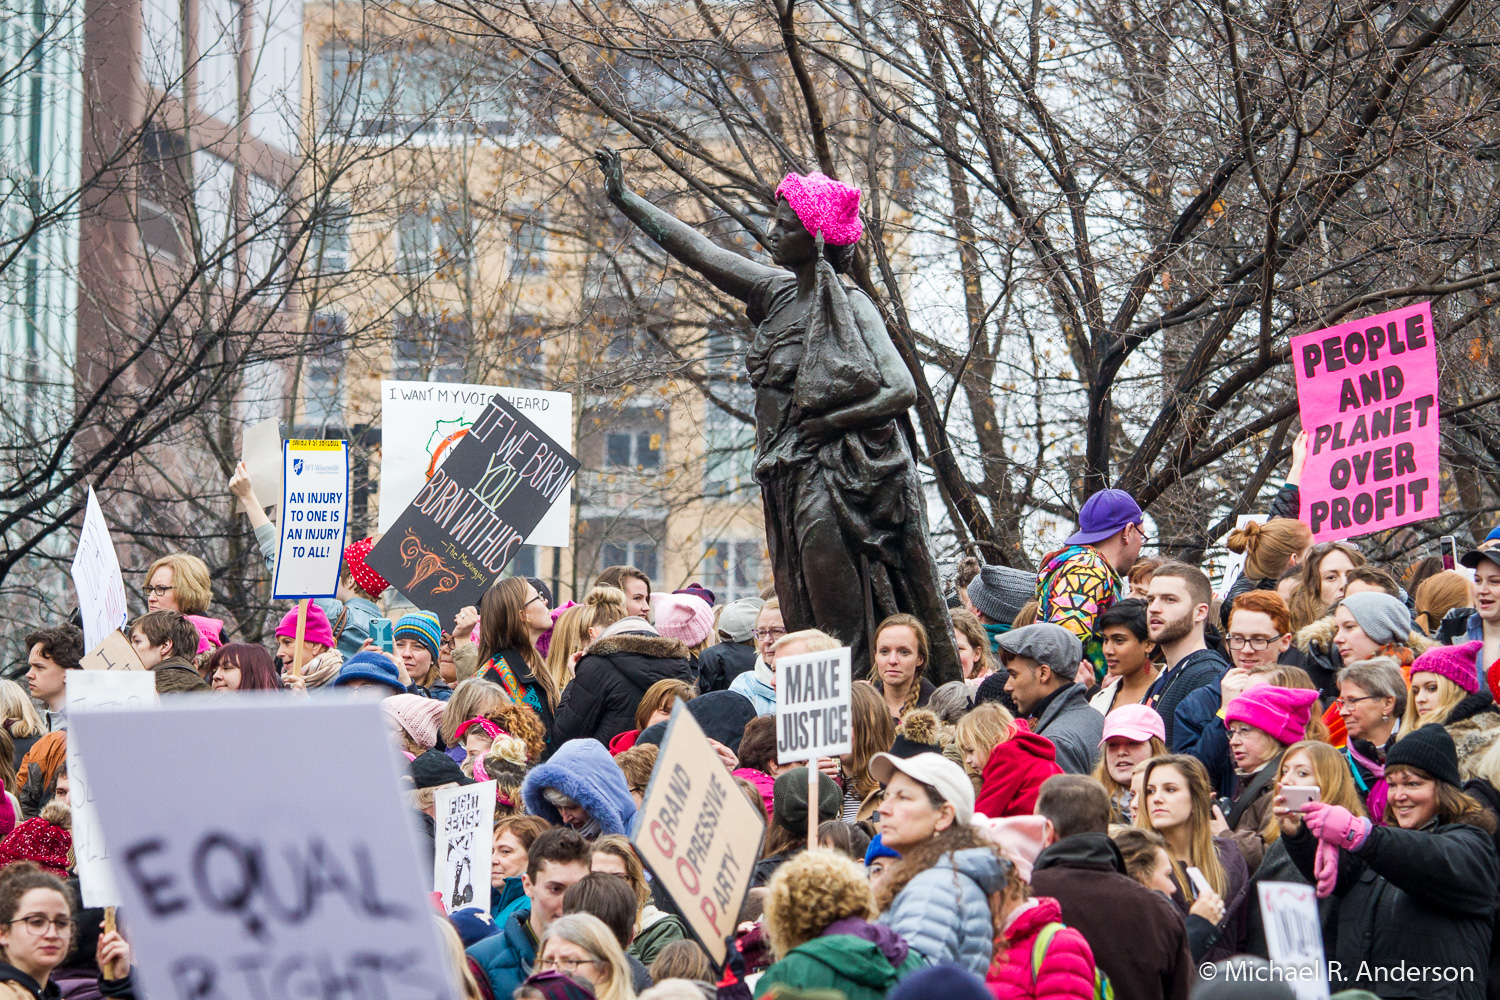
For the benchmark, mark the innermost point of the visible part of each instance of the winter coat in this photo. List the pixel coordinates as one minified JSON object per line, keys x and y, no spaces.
{"x":1195,"y":670}
{"x":1489,"y":796}
{"x":763,"y":782}
{"x":1252,"y":802}
{"x":1277,"y":866}
{"x":17,"y":985}
{"x":1014,"y":774}
{"x":858,"y":968}
{"x":1200,"y":732}
{"x":1422,"y":898}
{"x":1214,"y":943}
{"x":1086,"y":875}
{"x":658,"y":930}
{"x":1066,"y":971}
{"x":506,"y":958}
{"x":761,"y":694}
{"x":530,"y":694}
{"x":585,"y":772}
{"x":1074,"y":728}
{"x":721,"y":663}
{"x":610,"y":681}
{"x":1474,"y":725}
{"x":944,"y":912}
{"x":506,"y":900}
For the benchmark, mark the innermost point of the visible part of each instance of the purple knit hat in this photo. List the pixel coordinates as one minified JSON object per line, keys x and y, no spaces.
{"x":318,"y":630}
{"x":825,"y":204}
{"x":1453,"y":662}
{"x":1281,"y":713}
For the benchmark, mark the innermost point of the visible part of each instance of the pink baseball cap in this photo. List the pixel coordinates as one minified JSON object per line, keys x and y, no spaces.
{"x":1134,"y":722}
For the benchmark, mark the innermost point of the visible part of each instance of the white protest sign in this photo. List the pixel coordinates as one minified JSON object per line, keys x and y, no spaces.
{"x":246,"y":879}
{"x":98,"y":691}
{"x":420,"y":422}
{"x":813,"y":695}
{"x":1235,"y":566}
{"x":464,"y":817}
{"x":314,"y":513}
{"x":261,"y":452}
{"x":698,"y":834}
{"x":96,"y":577}
{"x":1294,"y":937}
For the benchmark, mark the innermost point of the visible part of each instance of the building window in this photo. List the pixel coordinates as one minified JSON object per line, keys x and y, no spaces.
{"x":323,"y":372}
{"x":429,"y":349}
{"x":632,"y":450}
{"x":331,"y":238}
{"x":641,"y":555}
{"x":528,"y":243}
{"x":728,"y":441}
{"x":416,"y":241}
{"x":524,"y":563}
{"x":732,"y":569}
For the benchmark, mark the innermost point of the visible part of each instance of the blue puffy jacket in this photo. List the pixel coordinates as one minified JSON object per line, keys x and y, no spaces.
{"x":944,"y":913}
{"x":507,"y":957}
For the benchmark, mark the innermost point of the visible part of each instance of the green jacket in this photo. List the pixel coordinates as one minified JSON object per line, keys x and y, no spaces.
{"x":662,"y":930}
{"x":843,"y":962}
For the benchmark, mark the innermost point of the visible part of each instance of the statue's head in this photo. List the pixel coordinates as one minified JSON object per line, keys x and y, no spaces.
{"x":809,"y":204}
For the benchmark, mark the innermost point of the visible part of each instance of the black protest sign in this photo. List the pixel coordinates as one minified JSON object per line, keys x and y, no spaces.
{"x":465,"y":525}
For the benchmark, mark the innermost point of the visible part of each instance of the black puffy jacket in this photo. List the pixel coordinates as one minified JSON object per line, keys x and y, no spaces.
{"x":609,"y":682}
{"x":1418,"y":899}
{"x":723,"y":662}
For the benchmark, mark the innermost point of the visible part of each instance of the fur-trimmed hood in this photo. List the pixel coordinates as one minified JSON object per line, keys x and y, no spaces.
{"x":584,"y":771}
{"x":641,"y":644}
{"x":642,"y":659}
{"x":1317,"y":638}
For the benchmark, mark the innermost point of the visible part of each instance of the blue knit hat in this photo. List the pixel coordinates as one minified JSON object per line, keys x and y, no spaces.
{"x":422,"y":626}
{"x":948,"y":980}
{"x":370,"y":666}
{"x":877,"y":849}
{"x":473,"y":925}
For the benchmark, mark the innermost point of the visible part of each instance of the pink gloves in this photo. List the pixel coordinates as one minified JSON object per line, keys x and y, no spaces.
{"x":1335,"y":825}
{"x":1326,"y":869}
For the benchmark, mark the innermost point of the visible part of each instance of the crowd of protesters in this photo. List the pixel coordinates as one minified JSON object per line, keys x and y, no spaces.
{"x":1089,"y":811}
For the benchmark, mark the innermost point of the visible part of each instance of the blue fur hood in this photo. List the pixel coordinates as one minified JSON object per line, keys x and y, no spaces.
{"x":584,"y":771}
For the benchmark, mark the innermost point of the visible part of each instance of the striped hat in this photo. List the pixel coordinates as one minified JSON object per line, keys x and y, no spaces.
{"x":422,"y":626}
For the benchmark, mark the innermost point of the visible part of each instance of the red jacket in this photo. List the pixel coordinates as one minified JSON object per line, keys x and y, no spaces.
{"x":1014,"y":774}
{"x":1067,"y":970}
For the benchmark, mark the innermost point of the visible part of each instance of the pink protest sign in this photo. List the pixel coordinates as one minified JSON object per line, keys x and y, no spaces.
{"x":1368,"y":394}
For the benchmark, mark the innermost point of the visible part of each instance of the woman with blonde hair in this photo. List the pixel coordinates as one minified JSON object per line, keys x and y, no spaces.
{"x":178,"y":582}
{"x":472,"y":699}
{"x":819,"y":914}
{"x":1436,"y":596}
{"x":655,"y":706}
{"x":458,"y":961}
{"x":582,"y":946}
{"x":873,"y":732}
{"x":20,"y":719}
{"x":899,"y":658}
{"x":580,"y":625}
{"x":1321,"y":584}
{"x":1133,"y":734}
{"x":654,"y":929}
{"x":1445,"y":692}
{"x":1009,"y":759}
{"x":1178,"y":804}
{"x":1270,"y":548}
{"x":976,"y":660}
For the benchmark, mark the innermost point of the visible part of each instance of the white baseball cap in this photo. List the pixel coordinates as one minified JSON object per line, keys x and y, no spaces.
{"x":934,"y":770}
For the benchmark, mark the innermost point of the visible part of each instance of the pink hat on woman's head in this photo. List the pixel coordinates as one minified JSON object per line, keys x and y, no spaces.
{"x":682,"y":616}
{"x":210,"y":631}
{"x":317,"y":629}
{"x":824,"y":204}
{"x":1280,"y":713}
{"x":1134,"y":722}
{"x":1453,"y":662}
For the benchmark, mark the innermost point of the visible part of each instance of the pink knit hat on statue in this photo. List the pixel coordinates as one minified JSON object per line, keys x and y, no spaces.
{"x":682,"y":616}
{"x":1280,"y":713}
{"x":825,"y":204}
{"x":1457,"y":663}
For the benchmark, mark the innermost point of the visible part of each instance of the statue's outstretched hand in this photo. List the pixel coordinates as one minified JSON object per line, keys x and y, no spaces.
{"x":614,"y":171}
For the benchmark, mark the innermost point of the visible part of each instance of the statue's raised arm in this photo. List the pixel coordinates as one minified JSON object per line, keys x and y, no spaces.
{"x":729,"y":272}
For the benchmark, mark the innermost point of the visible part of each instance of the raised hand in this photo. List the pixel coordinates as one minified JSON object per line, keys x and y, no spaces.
{"x":614,"y":171}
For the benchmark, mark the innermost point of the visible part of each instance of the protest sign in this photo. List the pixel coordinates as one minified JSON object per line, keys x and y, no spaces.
{"x":98,"y":691}
{"x":261,"y":452}
{"x":468,"y":521}
{"x":464,"y":817}
{"x":698,"y":833}
{"x":247,"y":879}
{"x":96,"y":577}
{"x":421,"y":422}
{"x":813,"y":694}
{"x":114,"y":653}
{"x":1368,"y":394}
{"x":314,"y":511}
{"x":1294,"y":938}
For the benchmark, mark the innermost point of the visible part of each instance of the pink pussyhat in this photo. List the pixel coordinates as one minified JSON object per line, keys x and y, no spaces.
{"x":1281,"y":713}
{"x":824,"y":205}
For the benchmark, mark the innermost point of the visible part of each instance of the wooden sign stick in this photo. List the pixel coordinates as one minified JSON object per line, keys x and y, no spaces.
{"x":112,"y":972}
{"x":812,"y":804}
{"x":301,"y":631}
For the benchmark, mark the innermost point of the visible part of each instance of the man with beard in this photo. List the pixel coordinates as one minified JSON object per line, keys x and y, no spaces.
{"x":1177,"y":604}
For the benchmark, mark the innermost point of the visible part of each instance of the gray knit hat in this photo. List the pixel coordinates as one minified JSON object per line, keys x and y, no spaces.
{"x":999,"y":592}
{"x":1382,"y":617}
{"x":738,"y":618}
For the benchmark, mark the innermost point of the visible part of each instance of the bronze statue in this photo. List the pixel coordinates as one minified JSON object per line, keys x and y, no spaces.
{"x":845,"y":514}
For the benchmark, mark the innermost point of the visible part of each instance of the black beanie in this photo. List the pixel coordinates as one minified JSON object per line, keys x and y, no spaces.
{"x":1428,"y":749}
{"x":789,"y":800}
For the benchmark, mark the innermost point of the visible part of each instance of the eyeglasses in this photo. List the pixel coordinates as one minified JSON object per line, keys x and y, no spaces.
{"x":151,"y":591}
{"x":1258,"y":643}
{"x":768,"y":633}
{"x":1347,"y":703}
{"x":37,"y":923}
{"x":563,"y":964}
{"x":529,"y":603}
{"x":1240,"y":732}
{"x":1141,"y":530}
